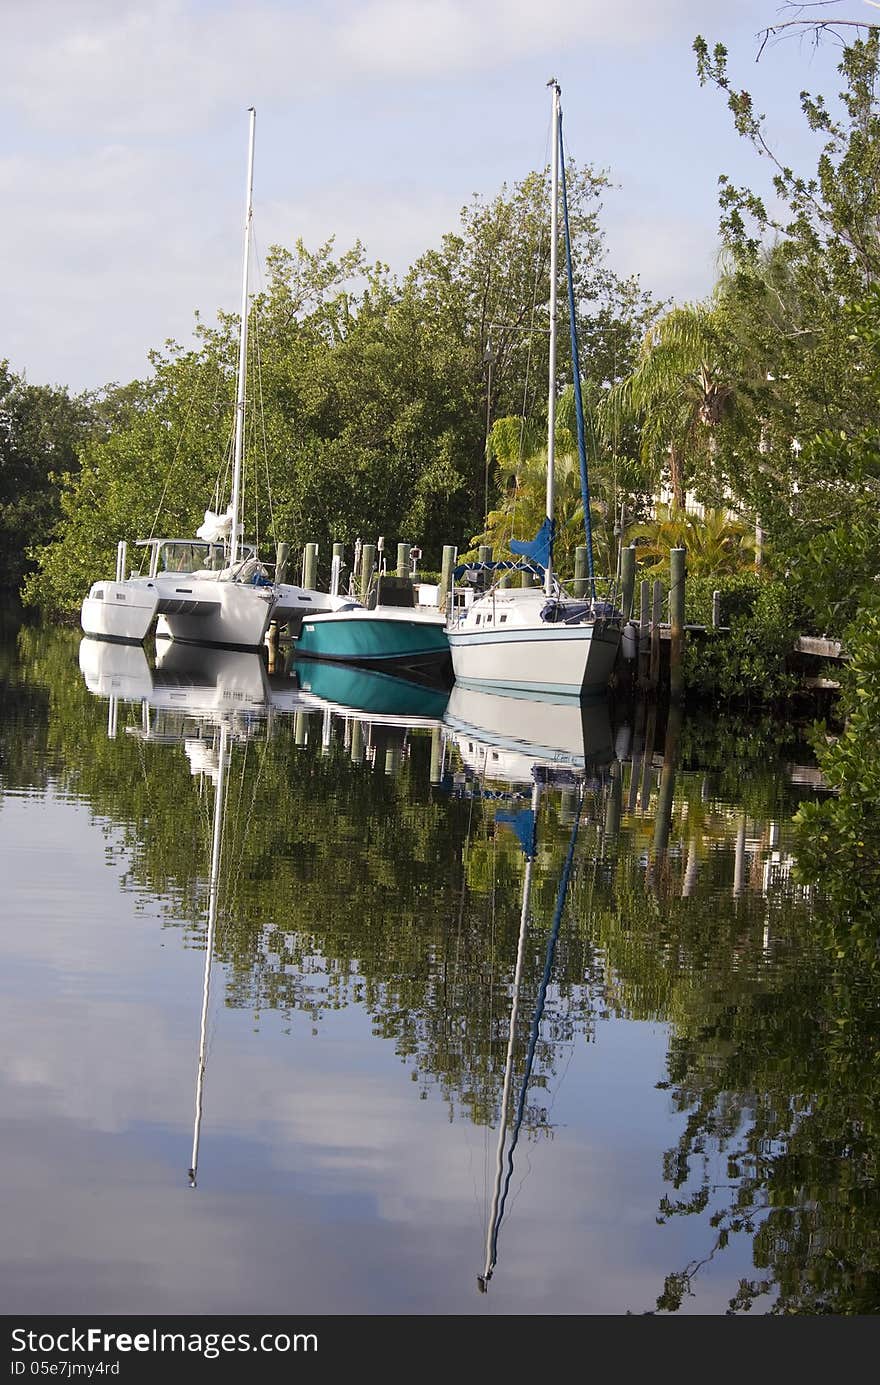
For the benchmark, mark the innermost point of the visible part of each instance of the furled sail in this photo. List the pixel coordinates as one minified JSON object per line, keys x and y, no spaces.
{"x":216,"y":527}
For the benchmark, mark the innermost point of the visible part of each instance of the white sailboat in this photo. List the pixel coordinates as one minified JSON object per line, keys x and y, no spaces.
{"x":210,"y":589}
{"x":530,"y":639}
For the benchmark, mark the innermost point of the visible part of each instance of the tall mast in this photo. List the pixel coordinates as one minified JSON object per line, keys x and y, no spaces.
{"x":554,"y":274}
{"x":242,"y":348}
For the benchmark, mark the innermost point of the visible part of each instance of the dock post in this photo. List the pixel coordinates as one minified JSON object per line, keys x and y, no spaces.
{"x":337,"y":566}
{"x":656,"y":618}
{"x":505,"y":580}
{"x":436,"y":755}
{"x":403,"y":551}
{"x":579,"y":585}
{"x":300,"y":728}
{"x":367,"y":591}
{"x":644,"y":641}
{"x":282,"y":558}
{"x":310,"y":566}
{"x":627,"y":579}
{"x":450,"y":553}
{"x":716,"y":610}
{"x":676,"y":622}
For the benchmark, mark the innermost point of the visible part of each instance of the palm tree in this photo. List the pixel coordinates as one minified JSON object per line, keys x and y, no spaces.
{"x":716,"y":543}
{"x":618,"y":485}
{"x":682,"y":389}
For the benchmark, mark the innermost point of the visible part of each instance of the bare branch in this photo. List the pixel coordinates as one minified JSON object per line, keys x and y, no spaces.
{"x":819,"y":27}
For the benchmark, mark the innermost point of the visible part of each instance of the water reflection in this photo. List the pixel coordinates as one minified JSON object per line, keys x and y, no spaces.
{"x":694,"y":1082}
{"x":219,"y":773}
{"x":511,"y":1117}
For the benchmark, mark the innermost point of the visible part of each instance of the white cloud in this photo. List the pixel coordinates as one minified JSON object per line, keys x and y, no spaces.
{"x":377,"y":120}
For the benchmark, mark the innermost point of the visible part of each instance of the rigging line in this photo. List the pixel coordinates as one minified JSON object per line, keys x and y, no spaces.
{"x":259,"y":371}
{"x":539,"y":253}
{"x":171,"y":466}
{"x":262,"y":416}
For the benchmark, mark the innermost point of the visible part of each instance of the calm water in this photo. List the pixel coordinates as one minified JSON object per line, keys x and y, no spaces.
{"x":559,"y":1018}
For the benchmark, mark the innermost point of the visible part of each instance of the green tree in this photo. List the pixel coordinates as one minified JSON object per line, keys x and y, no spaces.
{"x":41,"y":428}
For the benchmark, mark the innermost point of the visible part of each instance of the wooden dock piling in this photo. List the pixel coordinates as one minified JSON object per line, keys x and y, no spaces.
{"x":310,"y":566}
{"x":450,"y":553}
{"x":676,"y":622}
{"x":579,"y":585}
{"x":656,"y":620}
{"x":627,"y":579}
{"x":644,"y":639}
{"x":282,"y":558}
{"x":367,"y":586}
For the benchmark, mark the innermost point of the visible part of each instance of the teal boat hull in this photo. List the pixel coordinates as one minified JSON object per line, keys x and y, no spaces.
{"x":370,"y":640}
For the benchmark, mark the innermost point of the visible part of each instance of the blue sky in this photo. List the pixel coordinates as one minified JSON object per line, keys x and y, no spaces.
{"x":124,"y":133}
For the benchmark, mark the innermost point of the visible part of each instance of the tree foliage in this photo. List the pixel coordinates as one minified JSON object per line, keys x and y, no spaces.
{"x":367,"y":395}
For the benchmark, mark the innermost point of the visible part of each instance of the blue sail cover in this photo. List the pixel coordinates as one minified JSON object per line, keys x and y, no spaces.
{"x":540,"y":548}
{"x":523,"y":824}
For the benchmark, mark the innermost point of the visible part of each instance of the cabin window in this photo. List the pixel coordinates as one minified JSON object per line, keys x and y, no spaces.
{"x":502,"y":619}
{"x":478,"y":619}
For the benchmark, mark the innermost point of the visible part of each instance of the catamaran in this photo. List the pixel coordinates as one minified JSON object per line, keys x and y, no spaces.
{"x":211,"y":589}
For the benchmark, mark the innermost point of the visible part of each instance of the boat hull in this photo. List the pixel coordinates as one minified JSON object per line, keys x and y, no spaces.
{"x":121,"y":611}
{"x":373,"y":639}
{"x":292,"y":604}
{"x":562,"y":660}
{"x":198,"y":610}
{"x":229,"y":615}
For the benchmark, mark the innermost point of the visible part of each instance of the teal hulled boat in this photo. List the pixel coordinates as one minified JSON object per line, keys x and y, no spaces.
{"x":395,"y":638}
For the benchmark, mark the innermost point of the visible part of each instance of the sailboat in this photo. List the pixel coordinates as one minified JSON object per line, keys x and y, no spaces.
{"x":211,"y":589}
{"x":539,"y":639}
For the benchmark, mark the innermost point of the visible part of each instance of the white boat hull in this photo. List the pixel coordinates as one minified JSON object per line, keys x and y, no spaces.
{"x":119,"y":611}
{"x":563,"y":660}
{"x":198,"y":610}
{"x":231,"y":614}
{"x":293,"y":603}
